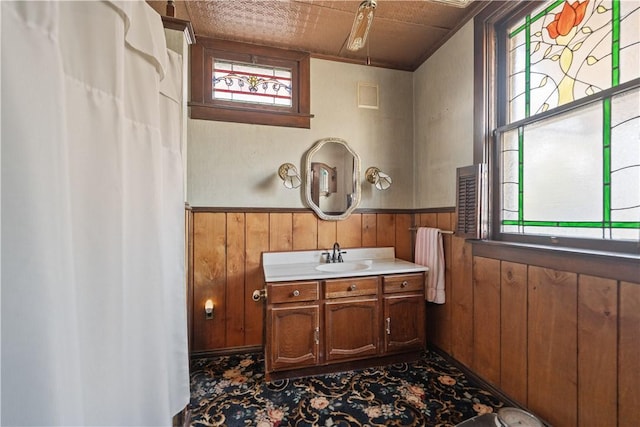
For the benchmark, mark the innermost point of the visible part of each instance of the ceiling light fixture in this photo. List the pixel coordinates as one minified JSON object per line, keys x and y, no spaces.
{"x":456,"y":3}
{"x":361,"y":25}
{"x":364,"y":18}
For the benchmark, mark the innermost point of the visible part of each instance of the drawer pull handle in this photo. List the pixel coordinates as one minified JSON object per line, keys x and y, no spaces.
{"x":296,"y":293}
{"x":404,"y":284}
{"x":352,"y":287}
{"x":388,"y":319}
{"x":316,"y":335}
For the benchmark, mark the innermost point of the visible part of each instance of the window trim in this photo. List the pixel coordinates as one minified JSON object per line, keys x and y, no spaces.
{"x":203,"y":106}
{"x":488,"y":71}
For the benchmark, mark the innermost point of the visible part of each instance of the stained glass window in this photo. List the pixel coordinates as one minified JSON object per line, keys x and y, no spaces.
{"x":246,"y":83}
{"x":569,"y":147}
{"x":249,"y":83}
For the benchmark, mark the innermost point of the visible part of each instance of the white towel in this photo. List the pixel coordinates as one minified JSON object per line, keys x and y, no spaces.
{"x":430,"y":253}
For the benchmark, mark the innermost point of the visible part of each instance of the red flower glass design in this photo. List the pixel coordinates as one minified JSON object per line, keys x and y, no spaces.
{"x":570,"y":16}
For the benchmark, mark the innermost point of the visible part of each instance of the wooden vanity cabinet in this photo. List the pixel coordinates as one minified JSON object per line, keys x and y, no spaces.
{"x":316,"y":324}
{"x":293,"y":325}
{"x":404,"y":312}
{"x":351,"y":318}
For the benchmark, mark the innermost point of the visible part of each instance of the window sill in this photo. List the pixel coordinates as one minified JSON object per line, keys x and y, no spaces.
{"x":613,"y":265}
{"x":258,"y":117}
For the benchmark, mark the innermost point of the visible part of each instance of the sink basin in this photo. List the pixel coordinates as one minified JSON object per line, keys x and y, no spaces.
{"x":343,"y":267}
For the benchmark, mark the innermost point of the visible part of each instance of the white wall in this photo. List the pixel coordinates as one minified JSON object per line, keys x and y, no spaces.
{"x":422,"y":132}
{"x":235,"y":165}
{"x":443,"y":117}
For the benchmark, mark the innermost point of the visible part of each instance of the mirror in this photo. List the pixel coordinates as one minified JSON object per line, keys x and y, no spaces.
{"x":332,"y":185}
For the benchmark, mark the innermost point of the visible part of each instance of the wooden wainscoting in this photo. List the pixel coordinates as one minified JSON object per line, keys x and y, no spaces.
{"x":441,"y":313}
{"x":558,"y":333}
{"x":226,"y":248}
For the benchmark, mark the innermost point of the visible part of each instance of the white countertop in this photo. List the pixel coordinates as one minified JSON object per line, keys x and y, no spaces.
{"x":301,"y":265}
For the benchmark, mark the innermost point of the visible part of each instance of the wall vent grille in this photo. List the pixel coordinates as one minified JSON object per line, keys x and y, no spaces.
{"x":368,"y":95}
{"x":470,"y":196}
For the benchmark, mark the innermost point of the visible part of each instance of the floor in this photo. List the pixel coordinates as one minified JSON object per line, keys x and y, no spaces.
{"x":231,"y":391}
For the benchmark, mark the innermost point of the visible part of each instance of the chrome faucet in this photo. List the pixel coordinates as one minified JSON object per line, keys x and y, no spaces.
{"x":336,"y":256}
{"x":337,"y":253}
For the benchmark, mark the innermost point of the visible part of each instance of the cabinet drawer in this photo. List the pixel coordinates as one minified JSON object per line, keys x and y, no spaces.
{"x":403,"y":283}
{"x":355,"y":286}
{"x":292,"y":292}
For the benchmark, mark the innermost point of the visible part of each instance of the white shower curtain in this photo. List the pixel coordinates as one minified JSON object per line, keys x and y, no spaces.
{"x":93,"y":297}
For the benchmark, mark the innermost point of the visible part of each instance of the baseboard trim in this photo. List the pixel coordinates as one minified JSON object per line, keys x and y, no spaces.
{"x":226,"y":351}
{"x":344,"y":366}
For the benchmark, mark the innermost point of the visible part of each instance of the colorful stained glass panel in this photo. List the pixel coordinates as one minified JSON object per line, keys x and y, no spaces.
{"x":571,"y":50}
{"x":250,"y":83}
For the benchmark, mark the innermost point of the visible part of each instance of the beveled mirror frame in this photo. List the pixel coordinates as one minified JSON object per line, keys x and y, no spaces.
{"x":331,"y":216}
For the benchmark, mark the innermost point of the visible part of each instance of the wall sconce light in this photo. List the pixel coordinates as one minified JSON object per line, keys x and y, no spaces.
{"x":208,"y":309}
{"x":375,"y":176}
{"x":289,"y":175}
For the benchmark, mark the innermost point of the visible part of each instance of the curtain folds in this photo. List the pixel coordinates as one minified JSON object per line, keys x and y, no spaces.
{"x":93,"y":297}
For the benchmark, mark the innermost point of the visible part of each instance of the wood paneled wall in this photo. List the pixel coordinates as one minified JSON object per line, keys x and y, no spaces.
{"x":226,"y":262}
{"x":560,"y":341}
{"x":563,"y":343}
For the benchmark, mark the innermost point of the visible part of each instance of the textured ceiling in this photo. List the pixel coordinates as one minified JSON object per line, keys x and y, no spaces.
{"x":403,"y":35}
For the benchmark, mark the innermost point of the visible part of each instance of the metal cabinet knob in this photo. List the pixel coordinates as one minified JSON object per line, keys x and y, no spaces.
{"x":404,"y":284}
{"x":296,"y":293}
{"x":352,"y":287}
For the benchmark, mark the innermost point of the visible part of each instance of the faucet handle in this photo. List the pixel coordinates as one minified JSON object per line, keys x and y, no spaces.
{"x":328,"y":254}
{"x":340,"y":256}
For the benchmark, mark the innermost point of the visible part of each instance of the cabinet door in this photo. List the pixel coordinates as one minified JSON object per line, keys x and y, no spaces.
{"x":352,"y":328}
{"x":293,"y":337}
{"x":403,"y":322}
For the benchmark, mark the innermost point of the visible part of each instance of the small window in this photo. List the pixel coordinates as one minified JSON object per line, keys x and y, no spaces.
{"x":252,"y":84}
{"x":243,"y":83}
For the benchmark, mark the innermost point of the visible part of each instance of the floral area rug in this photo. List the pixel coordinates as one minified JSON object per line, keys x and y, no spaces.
{"x":232,"y":391}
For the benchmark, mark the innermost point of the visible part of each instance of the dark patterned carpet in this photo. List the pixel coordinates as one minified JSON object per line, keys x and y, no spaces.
{"x":232,"y":391}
